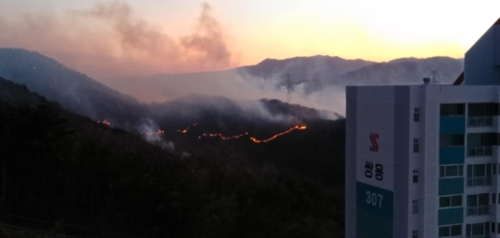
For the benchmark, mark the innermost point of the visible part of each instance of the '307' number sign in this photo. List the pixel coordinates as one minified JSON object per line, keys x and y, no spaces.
{"x":374,"y":199}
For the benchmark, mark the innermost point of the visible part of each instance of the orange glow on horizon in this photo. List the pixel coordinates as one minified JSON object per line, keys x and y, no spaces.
{"x":156,"y":37}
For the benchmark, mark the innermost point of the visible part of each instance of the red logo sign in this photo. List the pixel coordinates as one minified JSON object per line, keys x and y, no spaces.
{"x":374,"y":143}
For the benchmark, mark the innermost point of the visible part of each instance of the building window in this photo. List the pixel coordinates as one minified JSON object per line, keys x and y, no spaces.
{"x":416,"y":114}
{"x":452,"y":110}
{"x":414,"y":234}
{"x":481,"y":114}
{"x":415,"y":206}
{"x":478,"y":204}
{"x":478,"y":175}
{"x":451,"y":171}
{"x":493,"y":227}
{"x":416,"y":147}
{"x":450,"y":201}
{"x":479,"y":144}
{"x":494,"y":167}
{"x":493,"y":198}
{"x":450,"y":231}
{"x":477,"y":229}
{"x":446,"y":141}
{"x":415,"y":176}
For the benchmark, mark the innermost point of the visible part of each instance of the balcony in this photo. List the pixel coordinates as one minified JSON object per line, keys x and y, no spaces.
{"x":478,"y":210}
{"x":479,"y":151}
{"x":478,"y":181}
{"x":482,"y":121}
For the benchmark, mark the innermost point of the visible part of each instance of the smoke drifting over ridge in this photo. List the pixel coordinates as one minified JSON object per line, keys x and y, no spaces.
{"x":110,"y":40}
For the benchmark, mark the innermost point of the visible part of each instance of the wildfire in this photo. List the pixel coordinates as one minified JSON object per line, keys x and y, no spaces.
{"x":105,"y":122}
{"x":159,"y":132}
{"x":279,"y":134}
{"x":253,"y":139}
{"x":189,"y":127}
{"x":222,"y":136}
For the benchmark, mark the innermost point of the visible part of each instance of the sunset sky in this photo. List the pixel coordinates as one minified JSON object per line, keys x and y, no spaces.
{"x":119,"y":38}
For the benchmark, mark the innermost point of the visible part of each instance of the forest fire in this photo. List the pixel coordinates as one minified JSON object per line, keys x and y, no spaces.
{"x":189,"y":127}
{"x":253,"y":139}
{"x":105,"y":122}
{"x":159,"y":132}
{"x":279,"y":134}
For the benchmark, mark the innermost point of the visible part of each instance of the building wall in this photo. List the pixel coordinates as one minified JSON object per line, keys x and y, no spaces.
{"x":350,"y":187}
{"x":370,"y":164}
{"x":388,"y":111}
{"x":402,"y":200}
{"x":482,"y":61}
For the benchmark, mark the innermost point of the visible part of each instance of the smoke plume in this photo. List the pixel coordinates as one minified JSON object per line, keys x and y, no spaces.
{"x":150,"y":131}
{"x":111,"y":40}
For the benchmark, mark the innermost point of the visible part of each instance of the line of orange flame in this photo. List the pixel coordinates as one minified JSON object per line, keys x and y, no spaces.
{"x":159,"y":132}
{"x":253,"y":139}
{"x":189,"y":127}
{"x":279,"y":134}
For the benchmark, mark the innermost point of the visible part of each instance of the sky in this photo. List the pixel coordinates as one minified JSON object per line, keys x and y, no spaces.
{"x":107,"y":39}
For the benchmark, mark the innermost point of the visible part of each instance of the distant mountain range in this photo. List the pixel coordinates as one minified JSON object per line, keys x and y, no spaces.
{"x":304,"y":68}
{"x":271,"y":76}
{"x":323,"y":77}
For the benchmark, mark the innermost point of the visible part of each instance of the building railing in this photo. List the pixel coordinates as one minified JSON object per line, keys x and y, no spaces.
{"x":478,"y":151}
{"x":478,"y":210}
{"x":480,"y":121}
{"x":478,"y":236}
{"x":478,"y":181}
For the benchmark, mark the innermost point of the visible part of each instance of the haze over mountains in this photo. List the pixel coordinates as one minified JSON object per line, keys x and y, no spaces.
{"x":317,"y":81}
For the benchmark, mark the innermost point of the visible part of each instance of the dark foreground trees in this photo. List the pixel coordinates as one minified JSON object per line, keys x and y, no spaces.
{"x":65,"y":169}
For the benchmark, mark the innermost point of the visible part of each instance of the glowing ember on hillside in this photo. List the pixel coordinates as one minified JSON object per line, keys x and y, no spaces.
{"x":159,"y":132}
{"x":105,"y":122}
{"x":278,"y":135}
{"x":189,"y":127}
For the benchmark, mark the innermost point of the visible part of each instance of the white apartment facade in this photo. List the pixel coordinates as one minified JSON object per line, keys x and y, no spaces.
{"x":423,"y":160}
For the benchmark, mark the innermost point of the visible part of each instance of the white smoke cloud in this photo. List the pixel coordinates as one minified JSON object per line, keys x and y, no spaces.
{"x":112,"y":40}
{"x":151,"y":132}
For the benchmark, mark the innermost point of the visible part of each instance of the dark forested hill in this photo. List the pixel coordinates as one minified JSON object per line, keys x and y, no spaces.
{"x":73,"y":90}
{"x":65,"y":174}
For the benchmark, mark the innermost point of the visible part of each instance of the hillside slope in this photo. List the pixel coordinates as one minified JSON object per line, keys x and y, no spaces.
{"x":73,"y":90}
